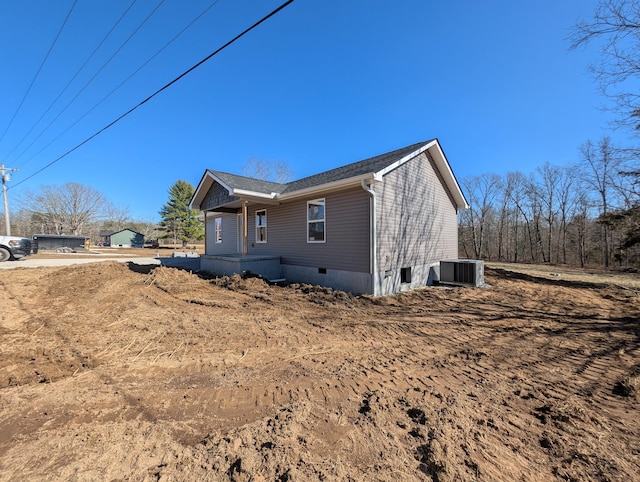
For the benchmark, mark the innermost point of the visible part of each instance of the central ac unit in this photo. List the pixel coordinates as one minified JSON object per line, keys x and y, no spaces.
{"x":462,"y":272}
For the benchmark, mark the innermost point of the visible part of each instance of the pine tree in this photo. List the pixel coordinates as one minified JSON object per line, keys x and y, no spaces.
{"x":178,"y":221}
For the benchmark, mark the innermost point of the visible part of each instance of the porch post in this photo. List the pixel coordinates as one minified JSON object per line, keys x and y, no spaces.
{"x":245,"y":218}
{"x":205,"y":231}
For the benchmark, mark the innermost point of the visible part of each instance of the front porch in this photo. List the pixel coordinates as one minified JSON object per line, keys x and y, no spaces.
{"x":228,"y":264}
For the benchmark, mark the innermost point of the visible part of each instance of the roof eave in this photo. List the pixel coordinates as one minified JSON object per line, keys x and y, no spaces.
{"x":201,"y":190}
{"x":447,"y":173}
{"x":207,"y":181}
{"x":441,"y":163}
{"x":329,"y":186}
{"x":253,"y":194}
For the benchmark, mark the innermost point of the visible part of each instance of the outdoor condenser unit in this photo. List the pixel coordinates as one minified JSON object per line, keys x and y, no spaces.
{"x":462,"y":272}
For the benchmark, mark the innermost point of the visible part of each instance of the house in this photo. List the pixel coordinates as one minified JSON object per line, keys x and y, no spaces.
{"x":377,"y":226}
{"x":125,"y":238}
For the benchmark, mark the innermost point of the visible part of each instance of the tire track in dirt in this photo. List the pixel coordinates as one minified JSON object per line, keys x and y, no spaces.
{"x":436,"y":384}
{"x":47,"y":362}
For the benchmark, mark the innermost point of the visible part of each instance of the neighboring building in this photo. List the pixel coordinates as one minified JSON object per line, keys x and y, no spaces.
{"x":45,"y":242}
{"x":125,"y":238}
{"x":377,"y":226}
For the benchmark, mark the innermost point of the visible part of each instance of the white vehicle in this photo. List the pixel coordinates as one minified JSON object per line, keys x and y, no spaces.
{"x":12,"y":247}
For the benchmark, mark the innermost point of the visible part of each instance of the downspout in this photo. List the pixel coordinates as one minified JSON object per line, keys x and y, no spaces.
{"x":373,"y":251}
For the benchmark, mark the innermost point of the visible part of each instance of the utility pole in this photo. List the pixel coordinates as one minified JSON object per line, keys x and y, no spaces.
{"x":4,"y":172}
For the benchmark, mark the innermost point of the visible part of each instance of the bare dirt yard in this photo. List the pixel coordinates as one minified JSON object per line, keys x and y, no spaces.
{"x":114,"y":371}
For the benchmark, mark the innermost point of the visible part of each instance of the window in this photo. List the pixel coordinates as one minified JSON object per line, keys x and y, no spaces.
{"x":218,"y":229}
{"x":315,"y":221}
{"x":405,"y":275}
{"x":261,"y":226}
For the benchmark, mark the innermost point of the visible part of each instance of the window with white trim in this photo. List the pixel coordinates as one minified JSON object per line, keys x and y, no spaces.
{"x":261,"y":226}
{"x":315,"y":221}
{"x":217,"y":222}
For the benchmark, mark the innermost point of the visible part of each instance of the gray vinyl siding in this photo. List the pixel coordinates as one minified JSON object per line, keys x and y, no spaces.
{"x":416,"y":216}
{"x":229,"y":234}
{"x":346,"y":245}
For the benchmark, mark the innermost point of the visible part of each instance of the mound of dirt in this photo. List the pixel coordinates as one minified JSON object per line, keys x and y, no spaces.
{"x":111,"y":371}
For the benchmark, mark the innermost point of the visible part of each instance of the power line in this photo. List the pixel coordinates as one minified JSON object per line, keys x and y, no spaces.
{"x":104,"y":65}
{"x":163,"y":88}
{"x":119,"y":85}
{"x":55,"y":40}
{"x":69,"y":83}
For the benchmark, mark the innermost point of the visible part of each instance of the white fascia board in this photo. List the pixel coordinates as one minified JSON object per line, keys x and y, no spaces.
{"x":449,"y":177}
{"x":441,"y":163}
{"x":406,"y":158}
{"x":252,"y":194}
{"x":207,"y":181}
{"x":201,"y":190}
{"x":221,"y":182}
{"x":330,"y":186}
{"x":203,"y":187}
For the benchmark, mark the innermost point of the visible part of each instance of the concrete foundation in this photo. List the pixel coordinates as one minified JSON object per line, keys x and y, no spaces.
{"x":266,"y":266}
{"x":269,"y":267}
{"x":350,"y":281}
{"x":390,"y":281}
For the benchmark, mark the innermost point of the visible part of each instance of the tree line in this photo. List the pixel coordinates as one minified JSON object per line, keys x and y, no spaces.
{"x":583,"y":214}
{"x":78,"y":210}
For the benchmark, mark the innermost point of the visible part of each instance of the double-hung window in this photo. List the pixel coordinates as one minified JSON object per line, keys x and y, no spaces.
{"x":315,"y":221}
{"x":218,"y":229}
{"x":261,"y":226}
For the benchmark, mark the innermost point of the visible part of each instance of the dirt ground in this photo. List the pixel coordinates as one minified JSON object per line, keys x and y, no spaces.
{"x":113,"y":371}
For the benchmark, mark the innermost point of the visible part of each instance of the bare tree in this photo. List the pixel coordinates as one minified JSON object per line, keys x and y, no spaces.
{"x":548,"y":189}
{"x":148,"y":228}
{"x":615,"y":28}
{"x":601,"y":172}
{"x":567,"y":195}
{"x":503,"y":222}
{"x":579,"y":224}
{"x":511,"y":213}
{"x":576,"y":214}
{"x":116,"y":218}
{"x":481,"y":191}
{"x":20,"y":223}
{"x":616,"y":25}
{"x":535,"y":207}
{"x":65,"y":209}
{"x":267,"y":170}
{"x":523,"y":197}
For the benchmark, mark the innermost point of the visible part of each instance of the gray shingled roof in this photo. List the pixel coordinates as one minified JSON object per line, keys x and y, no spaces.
{"x":373,"y":164}
{"x":249,"y":183}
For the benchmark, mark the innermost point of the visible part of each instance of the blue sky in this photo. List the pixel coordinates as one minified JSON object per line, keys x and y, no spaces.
{"x":321,"y":84}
